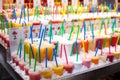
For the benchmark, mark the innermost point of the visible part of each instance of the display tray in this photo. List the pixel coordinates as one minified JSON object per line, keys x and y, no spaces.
{"x":84,"y":74}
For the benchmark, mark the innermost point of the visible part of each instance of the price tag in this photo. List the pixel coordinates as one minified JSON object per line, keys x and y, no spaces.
{"x":74,"y":2}
{"x":64,"y":2}
{"x":50,"y":3}
{"x":19,"y":3}
{"x":0,"y":4}
{"x":36,"y":3}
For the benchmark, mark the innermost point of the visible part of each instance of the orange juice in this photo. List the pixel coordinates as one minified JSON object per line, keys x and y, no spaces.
{"x":46,"y":73}
{"x":58,"y":70}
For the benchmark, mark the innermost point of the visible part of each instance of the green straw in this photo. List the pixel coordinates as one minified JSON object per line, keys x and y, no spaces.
{"x":77,"y":52}
{"x":72,"y":29}
{"x":19,"y":46}
{"x":101,"y":26}
{"x":24,"y":53}
{"x":71,"y":53}
{"x":78,"y":32}
{"x":35,"y":61}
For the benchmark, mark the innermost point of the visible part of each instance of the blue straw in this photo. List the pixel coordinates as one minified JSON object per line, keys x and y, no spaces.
{"x":20,"y":48}
{"x":40,"y":31}
{"x":55,"y":53}
{"x":84,"y":30}
{"x":32,"y":50}
{"x":97,"y":47}
{"x":50,"y":34}
{"x":40,"y":45}
{"x":21,"y":14}
{"x":24,"y":13}
{"x":44,"y":33}
{"x":46,"y":57}
{"x":6,"y":23}
{"x":31,"y":36}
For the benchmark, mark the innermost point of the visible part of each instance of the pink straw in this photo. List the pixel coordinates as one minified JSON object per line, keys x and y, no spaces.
{"x":61,"y":51}
{"x":65,"y":55}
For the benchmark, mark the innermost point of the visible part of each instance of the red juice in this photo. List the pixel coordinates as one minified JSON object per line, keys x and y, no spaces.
{"x":34,"y":75}
{"x":68,"y":67}
{"x":101,"y":39}
{"x":22,"y":64}
{"x":114,"y":40}
{"x":79,"y":47}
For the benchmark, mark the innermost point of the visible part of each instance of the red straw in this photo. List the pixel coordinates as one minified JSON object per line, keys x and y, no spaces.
{"x":61,"y":51}
{"x":105,"y":28}
{"x":65,"y":55}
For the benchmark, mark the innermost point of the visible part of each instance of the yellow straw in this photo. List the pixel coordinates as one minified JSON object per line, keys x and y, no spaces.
{"x":84,"y":49}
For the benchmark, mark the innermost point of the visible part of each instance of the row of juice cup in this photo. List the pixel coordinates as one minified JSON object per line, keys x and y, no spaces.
{"x":59,"y":70}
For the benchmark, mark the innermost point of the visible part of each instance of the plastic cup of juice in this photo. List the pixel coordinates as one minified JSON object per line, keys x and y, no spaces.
{"x":95,"y":60}
{"x":58,"y":70}
{"x":101,"y":39}
{"x":34,"y":75}
{"x":27,"y":68}
{"x":68,"y":67}
{"x":110,"y":56}
{"x":79,"y":46}
{"x":117,"y":55}
{"x":22,"y":64}
{"x":114,"y":40}
{"x":87,"y":62}
{"x":46,"y":73}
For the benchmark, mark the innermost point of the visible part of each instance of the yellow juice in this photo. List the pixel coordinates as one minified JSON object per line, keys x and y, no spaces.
{"x":50,"y":51}
{"x":58,"y":70}
{"x":46,"y":73}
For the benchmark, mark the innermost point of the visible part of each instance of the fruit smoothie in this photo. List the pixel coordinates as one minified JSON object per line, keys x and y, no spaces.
{"x":34,"y":75}
{"x":58,"y":70}
{"x":46,"y":73}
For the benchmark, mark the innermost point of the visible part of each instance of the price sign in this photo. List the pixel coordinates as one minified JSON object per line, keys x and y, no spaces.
{"x":64,"y":2}
{"x":74,"y":2}
{"x":19,"y":3}
{"x":36,"y":3}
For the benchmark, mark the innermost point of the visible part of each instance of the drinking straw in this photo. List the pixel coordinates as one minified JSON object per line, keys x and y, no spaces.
{"x":113,"y":26}
{"x":65,"y":55}
{"x":50,"y":33}
{"x":24,"y":13}
{"x":32,"y":51}
{"x":35,"y":61}
{"x":19,"y":46}
{"x":46,"y":58}
{"x":21,"y":14}
{"x":71,"y":53}
{"x":101,"y":26}
{"x":31,"y":34}
{"x":24,"y":53}
{"x":78,"y":32}
{"x":61,"y":31}
{"x":84,"y":30}
{"x":77,"y":51}
{"x":105,"y":28}
{"x":40,"y":31}
{"x":72,"y":29}
{"x":20,"y":49}
{"x":84,"y":50}
{"x":61,"y":51}
{"x":118,"y":39}
{"x":57,"y":47}
{"x":92,"y":29}
{"x":56,"y":58}
{"x":44,"y":33}
{"x":97,"y":48}
{"x":40,"y":45}
{"x":108,"y":22}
